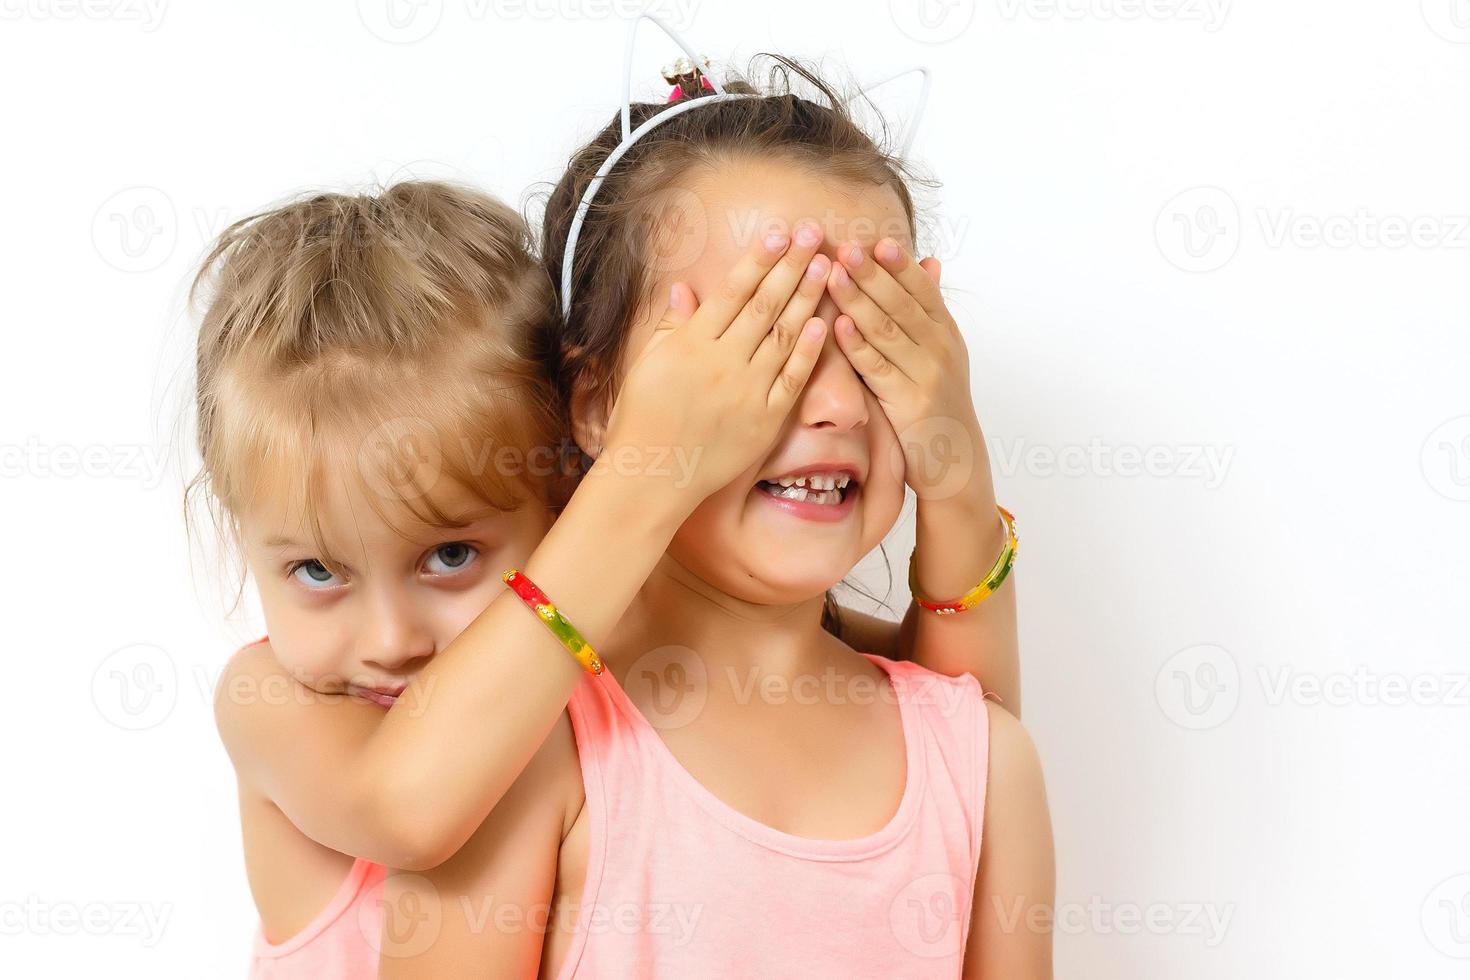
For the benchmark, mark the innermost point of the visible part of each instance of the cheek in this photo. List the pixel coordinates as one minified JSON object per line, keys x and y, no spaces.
{"x":709,"y":526}
{"x":451,"y":612}
{"x":310,"y":639}
{"x":310,"y":643}
{"x":884,"y":493}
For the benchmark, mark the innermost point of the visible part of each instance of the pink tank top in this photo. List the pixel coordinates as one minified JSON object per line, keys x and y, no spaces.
{"x":341,"y":943}
{"x":681,"y":885}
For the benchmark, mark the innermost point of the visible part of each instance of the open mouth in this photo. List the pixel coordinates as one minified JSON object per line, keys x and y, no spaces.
{"x":822,"y":492}
{"x":823,"y":489}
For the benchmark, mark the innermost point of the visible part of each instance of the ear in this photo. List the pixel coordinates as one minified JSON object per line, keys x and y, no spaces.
{"x":590,"y":413}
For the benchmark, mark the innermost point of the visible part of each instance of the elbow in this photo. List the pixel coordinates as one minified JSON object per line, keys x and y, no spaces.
{"x":425,"y":852}
{"x":410,"y":837}
{"x":422,"y":845}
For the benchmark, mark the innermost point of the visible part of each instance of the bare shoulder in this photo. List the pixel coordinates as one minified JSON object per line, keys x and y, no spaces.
{"x":1015,"y":765}
{"x":250,"y":669}
{"x":1016,"y":880}
{"x":272,"y":724}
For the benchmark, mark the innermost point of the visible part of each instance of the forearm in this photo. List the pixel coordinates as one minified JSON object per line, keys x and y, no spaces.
{"x":476,"y":714}
{"x":957,"y":541}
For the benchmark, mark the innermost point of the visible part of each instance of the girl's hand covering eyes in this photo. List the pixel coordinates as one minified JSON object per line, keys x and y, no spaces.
{"x":898,"y":334}
{"x":716,"y":381}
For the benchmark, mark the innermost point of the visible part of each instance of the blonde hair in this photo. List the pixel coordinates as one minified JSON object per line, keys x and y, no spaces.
{"x":401,"y":332}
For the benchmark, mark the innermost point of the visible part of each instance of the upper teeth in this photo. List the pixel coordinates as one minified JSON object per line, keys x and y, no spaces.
{"x":816,"y":481}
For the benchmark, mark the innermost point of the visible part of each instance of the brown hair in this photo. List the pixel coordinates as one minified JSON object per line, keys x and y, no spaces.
{"x":399,"y":331}
{"x":611,"y":268}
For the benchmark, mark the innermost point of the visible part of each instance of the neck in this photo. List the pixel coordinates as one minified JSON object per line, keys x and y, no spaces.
{"x":686,"y":617}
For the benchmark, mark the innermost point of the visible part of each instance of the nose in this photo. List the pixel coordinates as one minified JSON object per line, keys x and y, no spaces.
{"x":394,"y":633}
{"x":835,"y":396}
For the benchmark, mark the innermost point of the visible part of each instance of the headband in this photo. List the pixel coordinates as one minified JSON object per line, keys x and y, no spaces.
{"x":677,"y":107}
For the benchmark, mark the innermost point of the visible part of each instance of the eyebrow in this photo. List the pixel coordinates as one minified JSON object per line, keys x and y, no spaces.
{"x":459,"y":522}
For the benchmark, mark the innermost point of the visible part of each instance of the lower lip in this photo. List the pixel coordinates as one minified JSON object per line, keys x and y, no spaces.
{"x":377,"y":697}
{"x":808,"y":511}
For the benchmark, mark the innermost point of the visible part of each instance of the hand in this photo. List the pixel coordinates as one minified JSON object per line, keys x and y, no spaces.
{"x":712,"y":388}
{"x":900,"y":337}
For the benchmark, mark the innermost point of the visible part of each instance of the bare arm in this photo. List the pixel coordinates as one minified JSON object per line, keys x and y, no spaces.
{"x":483,"y":913}
{"x":713,"y":388}
{"x":355,"y":779}
{"x":1015,"y":890}
{"x":899,"y":334}
{"x":958,"y":541}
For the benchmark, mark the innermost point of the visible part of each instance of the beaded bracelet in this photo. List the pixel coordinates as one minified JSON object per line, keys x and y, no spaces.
{"x":559,"y":625}
{"x":987,"y":586}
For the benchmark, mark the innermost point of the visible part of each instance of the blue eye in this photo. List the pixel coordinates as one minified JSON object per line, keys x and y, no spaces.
{"x":447,"y":559}
{"x":314,"y":575}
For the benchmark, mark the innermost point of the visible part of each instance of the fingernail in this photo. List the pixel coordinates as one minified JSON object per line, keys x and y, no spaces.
{"x":839,"y":275}
{"x":674,"y":295}
{"x":887,"y":250}
{"x":854,"y":256}
{"x":817,"y":268}
{"x":807,"y":235}
{"x":813,"y":330}
{"x":775,"y":242}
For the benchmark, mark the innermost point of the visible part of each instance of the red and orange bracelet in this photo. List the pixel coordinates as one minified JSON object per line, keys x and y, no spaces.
{"x":559,"y":625}
{"x":987,"y":586}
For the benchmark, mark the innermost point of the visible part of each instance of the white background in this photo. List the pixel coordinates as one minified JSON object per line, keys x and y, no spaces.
{"x":1175,"y":231}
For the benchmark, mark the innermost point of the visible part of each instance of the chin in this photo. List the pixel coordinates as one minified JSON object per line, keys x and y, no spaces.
{"x":772,"y":580}
{"x":759,"y":575}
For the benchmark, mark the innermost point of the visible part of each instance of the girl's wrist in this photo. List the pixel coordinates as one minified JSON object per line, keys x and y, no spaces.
{"x":631,"y":485}
{"x":971,"y":510}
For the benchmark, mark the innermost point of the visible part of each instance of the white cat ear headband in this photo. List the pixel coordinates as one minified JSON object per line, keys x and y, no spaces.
{"x":687,"y":77}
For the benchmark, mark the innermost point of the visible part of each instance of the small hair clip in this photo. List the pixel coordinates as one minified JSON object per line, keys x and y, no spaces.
{"x":687,"y":78}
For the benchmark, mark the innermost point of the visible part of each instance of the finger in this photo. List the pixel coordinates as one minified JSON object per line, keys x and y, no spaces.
{"x":681,"y":308}
{"x":884,"y":290}
{"x":799,"y":366}
{"x":772,"y":345}
{"x":921,"y":281}
{"x":720,"y":308}
{"x":878,"y":328}
{"x":776,"y":289}
{"x":878,"y":373}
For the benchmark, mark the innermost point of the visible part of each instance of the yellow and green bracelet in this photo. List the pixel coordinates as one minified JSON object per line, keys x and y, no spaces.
{"x":559,"y":625}
{"x":987,"y":586}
